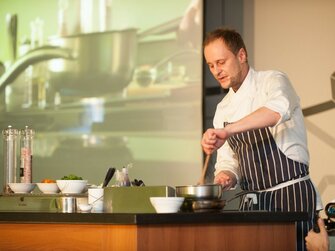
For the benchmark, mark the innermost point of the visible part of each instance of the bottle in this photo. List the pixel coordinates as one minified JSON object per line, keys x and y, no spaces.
{"x":126,"y":176}
{"x":26,"y":145}
{"x":10,"y":156}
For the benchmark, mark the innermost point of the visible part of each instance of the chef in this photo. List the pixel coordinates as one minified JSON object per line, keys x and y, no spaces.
{"x":259,"y":133}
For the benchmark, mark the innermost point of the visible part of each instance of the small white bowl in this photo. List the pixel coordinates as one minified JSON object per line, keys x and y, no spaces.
{"x":85,"y":207}
{"x":22,"y":187}
{"x":167,"y":204}
{"x":48,"y":188}
{"x":72,"y":186}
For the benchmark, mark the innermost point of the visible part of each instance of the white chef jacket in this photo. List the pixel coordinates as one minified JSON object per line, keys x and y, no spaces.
{"x":271,"y":89}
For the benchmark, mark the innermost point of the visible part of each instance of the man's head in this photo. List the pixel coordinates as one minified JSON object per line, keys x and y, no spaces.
{"x":231,"y":38}
{"x":226,"y":56}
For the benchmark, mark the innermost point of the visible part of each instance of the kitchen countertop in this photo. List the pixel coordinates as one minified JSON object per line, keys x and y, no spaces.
{"x":149,"y":231}
{"x":151,"y":218}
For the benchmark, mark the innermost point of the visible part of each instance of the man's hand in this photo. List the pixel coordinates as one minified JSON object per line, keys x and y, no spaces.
{"x":318,"y":241}
{"x":213,"y":139}
{"x":225,"y":178}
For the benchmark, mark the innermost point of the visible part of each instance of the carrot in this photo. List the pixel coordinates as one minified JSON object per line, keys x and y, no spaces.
{"x":48,"y":181}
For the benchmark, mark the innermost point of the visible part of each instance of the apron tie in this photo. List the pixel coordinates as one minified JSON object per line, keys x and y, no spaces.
{"x":251,"y":196}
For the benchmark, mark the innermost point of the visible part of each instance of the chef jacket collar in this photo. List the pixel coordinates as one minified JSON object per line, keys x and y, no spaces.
{"x":245,"y":89}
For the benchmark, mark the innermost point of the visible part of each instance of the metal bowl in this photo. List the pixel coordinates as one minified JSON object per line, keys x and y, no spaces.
{"x":200,"y":192}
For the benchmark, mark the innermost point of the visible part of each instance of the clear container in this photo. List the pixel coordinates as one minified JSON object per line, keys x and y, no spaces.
{"x":10,"y":156}
{"x":26,"y":154}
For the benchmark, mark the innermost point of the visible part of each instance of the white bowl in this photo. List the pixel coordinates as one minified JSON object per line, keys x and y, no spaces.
{"x":22,"y":187}
{"x":85,"y":207}
{"x":167,"y":204}
{"x":48,"y":188}
{"x":72,"y":186}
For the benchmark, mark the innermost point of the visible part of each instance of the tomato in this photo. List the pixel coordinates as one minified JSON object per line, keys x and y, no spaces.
{"x":48,"y":181}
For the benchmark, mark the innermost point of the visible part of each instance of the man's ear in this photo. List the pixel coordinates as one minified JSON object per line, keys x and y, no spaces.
{"x":242,"y":55}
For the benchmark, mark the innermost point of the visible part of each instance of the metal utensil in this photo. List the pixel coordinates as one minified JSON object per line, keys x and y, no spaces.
{"x":33,"y":57}
{"x":109,"y":176}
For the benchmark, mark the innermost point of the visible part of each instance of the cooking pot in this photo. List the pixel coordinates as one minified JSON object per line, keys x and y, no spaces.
{"x":200,"y":192}
{"x":105,"y":62}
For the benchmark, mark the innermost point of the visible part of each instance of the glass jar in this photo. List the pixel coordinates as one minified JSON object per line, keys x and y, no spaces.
{"x":10,"y":156}
{"x":26,"y":154}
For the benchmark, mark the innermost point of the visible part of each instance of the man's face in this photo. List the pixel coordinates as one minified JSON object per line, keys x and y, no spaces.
{"x":224,"y":65}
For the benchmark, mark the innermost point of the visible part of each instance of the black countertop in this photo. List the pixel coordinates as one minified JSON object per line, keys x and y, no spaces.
{"x":144,"y":219}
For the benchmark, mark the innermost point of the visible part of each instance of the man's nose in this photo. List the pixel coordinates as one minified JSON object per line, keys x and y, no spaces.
{"x":216,"y":70}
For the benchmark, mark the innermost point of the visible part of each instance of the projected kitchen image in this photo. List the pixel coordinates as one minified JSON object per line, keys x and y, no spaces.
{"x":106,"y":84}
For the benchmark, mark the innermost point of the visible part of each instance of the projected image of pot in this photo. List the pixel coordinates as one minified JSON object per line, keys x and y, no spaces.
{"x":105,"y":62}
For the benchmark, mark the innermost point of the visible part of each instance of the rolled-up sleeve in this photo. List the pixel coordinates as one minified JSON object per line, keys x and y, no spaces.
{"x":280,"y":96}
{"x":226,"y":161}
{"x":226,"y":158}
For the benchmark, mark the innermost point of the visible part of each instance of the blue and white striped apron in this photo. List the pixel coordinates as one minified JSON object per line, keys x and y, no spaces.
{"x":277,"y":182}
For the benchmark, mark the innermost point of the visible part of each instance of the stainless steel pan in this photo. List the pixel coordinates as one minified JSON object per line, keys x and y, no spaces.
{"x":207,"y":197}
{"x":200,"y":192}
{"x":201,"y":197}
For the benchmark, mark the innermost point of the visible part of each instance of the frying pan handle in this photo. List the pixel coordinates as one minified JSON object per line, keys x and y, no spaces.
{"x":170,"y":26}
{"x":240,"y":194}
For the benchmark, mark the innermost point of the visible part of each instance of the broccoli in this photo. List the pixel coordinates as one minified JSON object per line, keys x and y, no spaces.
{"x":72,"y":177}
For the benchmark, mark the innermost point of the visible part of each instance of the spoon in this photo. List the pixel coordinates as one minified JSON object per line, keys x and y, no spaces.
{"x":109,"y":176}
{"x":204,"y":170}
